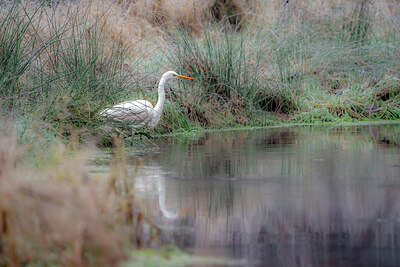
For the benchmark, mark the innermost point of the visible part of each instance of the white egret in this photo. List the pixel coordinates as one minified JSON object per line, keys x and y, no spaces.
{"x":141,"y":113}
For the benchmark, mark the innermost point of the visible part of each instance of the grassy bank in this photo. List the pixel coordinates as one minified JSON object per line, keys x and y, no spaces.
{"x":256,"y":63}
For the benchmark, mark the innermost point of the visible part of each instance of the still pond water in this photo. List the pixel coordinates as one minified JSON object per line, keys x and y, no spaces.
{"x":290,"y":196}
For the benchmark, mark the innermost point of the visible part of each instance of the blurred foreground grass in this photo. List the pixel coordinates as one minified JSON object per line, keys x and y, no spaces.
{"x":62,"y":214}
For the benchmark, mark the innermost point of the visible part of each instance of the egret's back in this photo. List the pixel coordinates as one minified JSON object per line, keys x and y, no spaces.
{"x":137,"y":114}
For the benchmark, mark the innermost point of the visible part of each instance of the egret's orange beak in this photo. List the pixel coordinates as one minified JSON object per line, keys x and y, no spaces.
{"x":184,"y":77}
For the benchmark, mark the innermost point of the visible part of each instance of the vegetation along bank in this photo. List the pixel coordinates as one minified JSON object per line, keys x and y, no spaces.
{"x":254,"y":63}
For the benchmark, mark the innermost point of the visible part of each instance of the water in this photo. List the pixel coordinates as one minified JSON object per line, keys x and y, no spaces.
{"x":292,"y":196}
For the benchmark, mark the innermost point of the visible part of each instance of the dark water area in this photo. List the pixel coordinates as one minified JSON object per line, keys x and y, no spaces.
{"x":290,"y":196}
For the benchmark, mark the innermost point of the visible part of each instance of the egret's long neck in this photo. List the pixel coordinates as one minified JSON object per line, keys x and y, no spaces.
{"x":161,"y":96}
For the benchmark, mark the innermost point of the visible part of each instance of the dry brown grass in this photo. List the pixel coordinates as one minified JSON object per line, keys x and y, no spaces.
{"x":129,"y":21}
{"x":132,"y":21}
{"x":142,"y":24}
{"x":63,"y":215}
{"x":189,"y":14}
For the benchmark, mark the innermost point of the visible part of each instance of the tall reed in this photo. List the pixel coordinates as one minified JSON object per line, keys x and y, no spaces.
{"x":59,"y":67}
{"x":230,"y":73}
{"x":18,"y":50}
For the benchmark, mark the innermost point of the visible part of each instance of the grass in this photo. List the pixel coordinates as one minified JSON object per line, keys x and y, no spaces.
{"x":172,"y":256}
{"x":229,"y":77}
{"x":61,"y":71}
{"x":16,"y":57}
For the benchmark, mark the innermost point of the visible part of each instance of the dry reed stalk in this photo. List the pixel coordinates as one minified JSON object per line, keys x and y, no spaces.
{"x":65,"y":216}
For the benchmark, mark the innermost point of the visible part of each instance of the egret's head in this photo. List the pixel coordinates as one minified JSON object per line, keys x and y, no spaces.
{"x":172,"y":74}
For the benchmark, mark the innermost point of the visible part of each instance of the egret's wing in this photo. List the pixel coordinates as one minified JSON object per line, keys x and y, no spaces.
{"x":137,"y":113}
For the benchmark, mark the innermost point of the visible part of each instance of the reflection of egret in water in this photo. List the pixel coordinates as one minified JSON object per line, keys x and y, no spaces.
{"x":154,"y":180}
{"x":162,"y":198}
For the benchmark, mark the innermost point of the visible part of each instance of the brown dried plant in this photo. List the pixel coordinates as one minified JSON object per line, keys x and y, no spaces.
{"x":63,"y":215}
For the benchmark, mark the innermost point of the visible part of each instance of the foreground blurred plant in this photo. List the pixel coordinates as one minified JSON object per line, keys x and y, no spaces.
{"x":65,"y":216}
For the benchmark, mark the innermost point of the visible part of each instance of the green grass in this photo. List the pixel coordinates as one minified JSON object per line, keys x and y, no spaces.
{"x":60,"y":71}
{"x":173,"y":256}
{"x":242,"y":78}
{"x":229,"y":71}
{"x":16,"y":53}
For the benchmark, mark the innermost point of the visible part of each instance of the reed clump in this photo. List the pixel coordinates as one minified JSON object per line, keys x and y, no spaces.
{"x":328,"y":58}
{"x":58,"y":66}
{"x":231,"y":77}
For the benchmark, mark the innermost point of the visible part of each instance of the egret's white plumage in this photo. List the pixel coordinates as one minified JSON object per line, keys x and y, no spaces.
{"x":141,"y":113}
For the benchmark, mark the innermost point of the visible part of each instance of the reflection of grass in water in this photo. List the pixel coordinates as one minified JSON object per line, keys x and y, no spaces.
{"x":222,"y":196}
{"x":386,"y":136}
{"x":222,"y":154}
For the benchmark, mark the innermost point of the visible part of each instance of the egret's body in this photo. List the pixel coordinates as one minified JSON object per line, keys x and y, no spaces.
{"x":137,"y":114}
{"x":141,"y":113}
